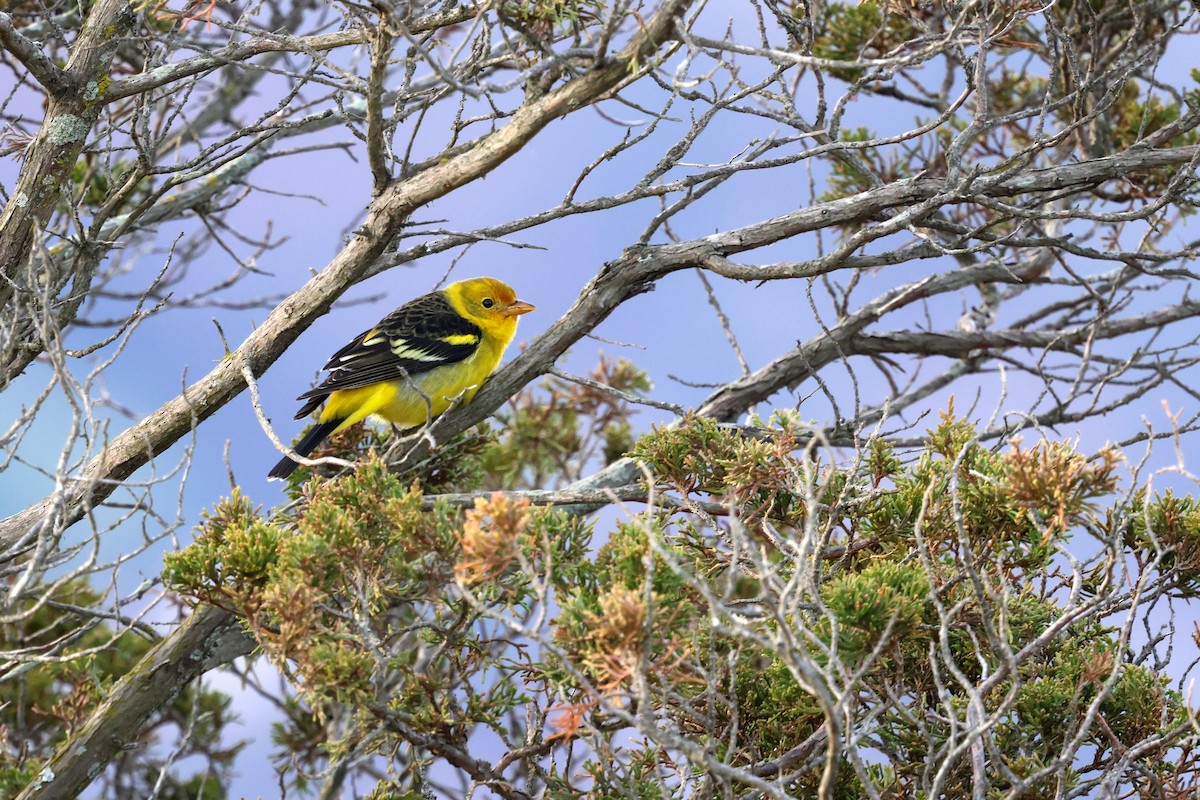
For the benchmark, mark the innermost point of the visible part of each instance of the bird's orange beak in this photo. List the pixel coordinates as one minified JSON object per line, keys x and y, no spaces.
{"x":517,"y":308}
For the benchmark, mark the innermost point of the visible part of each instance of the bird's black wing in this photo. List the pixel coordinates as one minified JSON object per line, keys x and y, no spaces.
{"x":421,"y":335}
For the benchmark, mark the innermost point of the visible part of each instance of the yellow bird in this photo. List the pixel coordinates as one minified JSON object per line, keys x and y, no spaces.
{"x":419,"y":359}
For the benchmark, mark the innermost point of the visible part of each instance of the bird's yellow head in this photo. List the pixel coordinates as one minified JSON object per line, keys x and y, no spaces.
{"x":490,"y":304}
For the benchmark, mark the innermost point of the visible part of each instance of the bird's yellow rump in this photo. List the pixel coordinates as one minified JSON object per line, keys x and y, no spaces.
{"x":419,"y":359}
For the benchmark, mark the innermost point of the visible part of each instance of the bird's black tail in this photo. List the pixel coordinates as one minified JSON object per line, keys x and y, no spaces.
{"x":316,"y":434}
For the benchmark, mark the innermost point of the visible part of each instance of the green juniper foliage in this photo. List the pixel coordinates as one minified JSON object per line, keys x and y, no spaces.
{"x":911,"y":589}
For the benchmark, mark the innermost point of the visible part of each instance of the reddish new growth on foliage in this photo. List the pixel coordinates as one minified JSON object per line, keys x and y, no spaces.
{"x":569,"y":717}
{"x":489,"y":537}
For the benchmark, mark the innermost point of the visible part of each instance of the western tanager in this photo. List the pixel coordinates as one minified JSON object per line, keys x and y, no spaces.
{"x":411,"y":366}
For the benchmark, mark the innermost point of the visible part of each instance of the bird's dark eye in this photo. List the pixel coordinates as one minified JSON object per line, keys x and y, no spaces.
{"x":488,"y":302}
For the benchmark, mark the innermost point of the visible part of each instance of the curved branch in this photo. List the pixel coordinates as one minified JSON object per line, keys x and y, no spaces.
{"x":812,"y":356}
{"x":31,"y":56}
{"x":636,"y":270}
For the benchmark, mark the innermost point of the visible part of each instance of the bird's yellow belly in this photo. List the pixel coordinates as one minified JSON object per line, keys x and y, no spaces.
{"x":407,"y":407}
{"x":415,"y":401}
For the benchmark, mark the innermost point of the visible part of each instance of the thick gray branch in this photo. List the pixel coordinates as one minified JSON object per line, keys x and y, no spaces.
{"x":51,"y":156}
{"x":636,"y":270}
{"x":28,"y":53}
{"x":209,"y":638}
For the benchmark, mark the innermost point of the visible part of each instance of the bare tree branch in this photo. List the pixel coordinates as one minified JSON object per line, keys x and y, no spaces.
{"x":29,"y":54}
